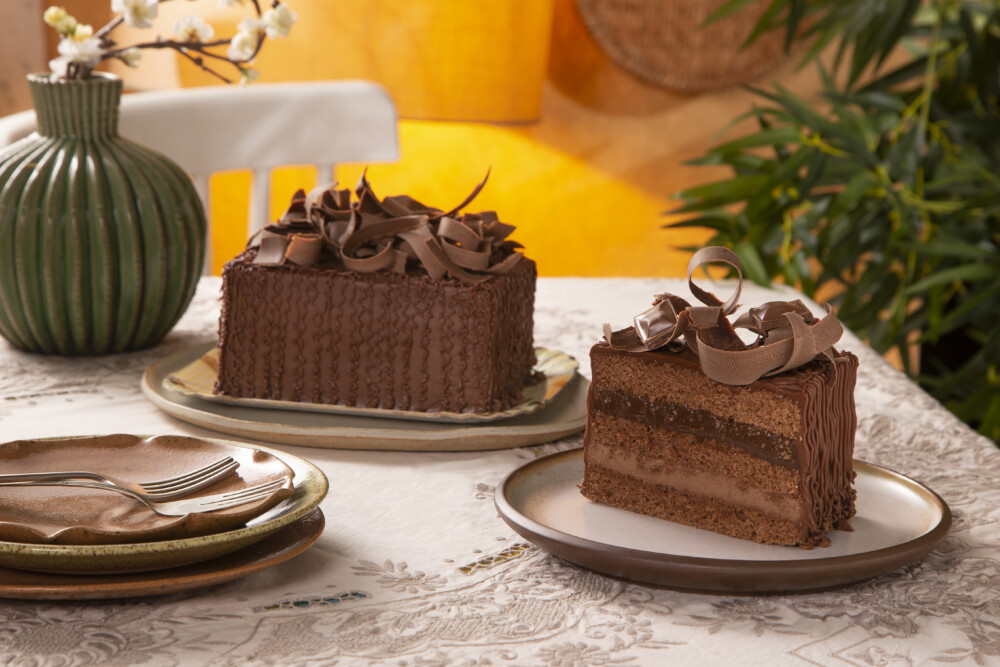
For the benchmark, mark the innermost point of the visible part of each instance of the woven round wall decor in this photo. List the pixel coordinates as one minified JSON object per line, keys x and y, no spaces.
{"x":663,"y":41}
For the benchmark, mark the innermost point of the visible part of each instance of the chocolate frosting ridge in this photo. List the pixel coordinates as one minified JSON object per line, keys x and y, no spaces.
{"x":788,"y":335}
{"x":325,"y":227}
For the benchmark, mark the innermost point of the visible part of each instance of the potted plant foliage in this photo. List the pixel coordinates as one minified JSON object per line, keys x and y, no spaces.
{"x":885,"y":193}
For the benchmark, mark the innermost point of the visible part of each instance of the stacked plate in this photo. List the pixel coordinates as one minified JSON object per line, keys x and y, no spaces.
{"x":78,"y":543}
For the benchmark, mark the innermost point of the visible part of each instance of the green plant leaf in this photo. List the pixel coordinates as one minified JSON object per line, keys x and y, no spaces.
{"x":965,"y":272}
{"x":727,"y":9}
{"x":753,"y":266}
{"x":903,"y":19}
{"x":726,"y":192}
{"x":986,"y":301}
{"x":954,"y":249}
{"x":767,"y":22}
{"x":772,"y":137}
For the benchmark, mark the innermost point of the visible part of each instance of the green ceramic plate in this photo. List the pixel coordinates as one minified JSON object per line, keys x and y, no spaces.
{"x":309,"y":488}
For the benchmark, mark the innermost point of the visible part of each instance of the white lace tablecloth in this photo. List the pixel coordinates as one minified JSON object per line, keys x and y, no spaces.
{"x":415,"y":567}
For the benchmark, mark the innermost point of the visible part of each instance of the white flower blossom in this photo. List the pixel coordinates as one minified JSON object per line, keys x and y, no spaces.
{"x":137,"y":13}
{"x":242,"y":46}
{"x":131,"y":56}
{"x":59,"y":66}
{"x":278,"y":21}
{"x":229,"y":3}
{"x":82,"y":32}
{"x":86,"y":51}
{"x":248,"y":75}
{"x":193,"y":28}
{"x":251,"y":25}
{"x":60,"y":20}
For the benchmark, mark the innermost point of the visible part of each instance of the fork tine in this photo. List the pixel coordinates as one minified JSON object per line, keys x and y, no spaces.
{"x":196,"y":481}
{"x":243,"y":496}
{"x":181,"y":479}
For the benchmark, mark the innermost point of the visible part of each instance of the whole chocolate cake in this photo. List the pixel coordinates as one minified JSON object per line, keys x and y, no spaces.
{"x":381,"y":304}
{"x":752,"y":441}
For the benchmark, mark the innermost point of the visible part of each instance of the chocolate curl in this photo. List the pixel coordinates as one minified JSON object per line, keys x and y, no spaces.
{"x":304,"y":249}
{"x":789,"y":336}
{"x":506,"y":265}
{"x":419,"y":241}
{"x":453,"y":230}
{"x":716,"y":254}
{"x":467,"y":254}
{"x":378,"y":235}
{"x":272,"y":250}
{"x":771,"y":358}
{"x":377,"y":262}
{"x":660,"y":324}
{"x":385,"y":257}
{"x":468,"y":200}
{"x":441,"y":257}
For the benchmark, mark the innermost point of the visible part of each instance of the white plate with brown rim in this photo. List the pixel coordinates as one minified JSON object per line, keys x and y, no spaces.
{"x":898,"y":522}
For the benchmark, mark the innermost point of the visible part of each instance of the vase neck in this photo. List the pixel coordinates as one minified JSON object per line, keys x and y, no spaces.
{"x":86,"y":108}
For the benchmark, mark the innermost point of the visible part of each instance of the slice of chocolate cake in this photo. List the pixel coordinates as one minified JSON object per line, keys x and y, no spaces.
{"x":702,"y":439}
{"x":374,"y":303}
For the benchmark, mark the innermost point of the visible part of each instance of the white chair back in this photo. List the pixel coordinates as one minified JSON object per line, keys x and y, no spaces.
{"x":257,"y":127}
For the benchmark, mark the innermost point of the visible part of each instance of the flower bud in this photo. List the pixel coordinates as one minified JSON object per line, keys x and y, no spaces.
{"x":131,"y":56}
{"x":60,"y":20}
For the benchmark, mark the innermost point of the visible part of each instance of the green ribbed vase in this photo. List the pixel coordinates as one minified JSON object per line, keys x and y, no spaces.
{"x":101,"y":239}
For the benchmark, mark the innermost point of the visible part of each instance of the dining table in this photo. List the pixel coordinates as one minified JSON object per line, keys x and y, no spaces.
{"x":416,"y":568}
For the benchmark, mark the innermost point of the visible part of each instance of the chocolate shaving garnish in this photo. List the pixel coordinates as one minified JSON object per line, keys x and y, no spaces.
{"x":468,"y":200}
{"x":788,"y":335}
{"x":371,"y":234}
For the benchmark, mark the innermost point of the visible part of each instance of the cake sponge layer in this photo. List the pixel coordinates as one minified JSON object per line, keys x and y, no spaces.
{"x":676,"y":379}
{"x":628,"y":493}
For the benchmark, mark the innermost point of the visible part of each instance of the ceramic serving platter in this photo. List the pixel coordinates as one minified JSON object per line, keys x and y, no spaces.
{"x":898,"y":522}
{"x":309,"y":486}
{"x":68,"y":515}
{"x":564,"y":415}
{"x":282,"y":545}
{"x":557,"y":369}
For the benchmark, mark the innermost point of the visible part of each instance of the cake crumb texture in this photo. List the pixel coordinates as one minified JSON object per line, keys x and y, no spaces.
{"x":661,"y":382}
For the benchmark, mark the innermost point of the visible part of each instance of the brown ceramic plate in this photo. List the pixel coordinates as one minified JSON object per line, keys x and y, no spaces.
{"x":564,"y":415}
{"x":61,"y":515}
{"x":898,"y":522}
{"x":309,"y":487}
{"x":277,"y":548}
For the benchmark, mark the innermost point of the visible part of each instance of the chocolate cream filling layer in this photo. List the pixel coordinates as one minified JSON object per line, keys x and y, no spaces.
{"x":761,"y":486}
{"x":703,"y":424}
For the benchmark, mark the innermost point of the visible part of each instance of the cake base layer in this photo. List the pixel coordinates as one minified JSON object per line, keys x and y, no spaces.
{"x":628,"y":493}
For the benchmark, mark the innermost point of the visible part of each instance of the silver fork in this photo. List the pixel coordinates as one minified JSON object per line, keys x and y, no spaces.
{"x":219,"y":501}
{"x":157,"y":491}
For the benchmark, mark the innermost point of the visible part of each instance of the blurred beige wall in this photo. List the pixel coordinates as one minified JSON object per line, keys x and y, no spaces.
{"x":22,"y":51}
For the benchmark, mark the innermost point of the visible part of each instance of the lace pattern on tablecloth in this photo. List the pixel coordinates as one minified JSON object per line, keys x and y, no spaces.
{"x":459,"y":588}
